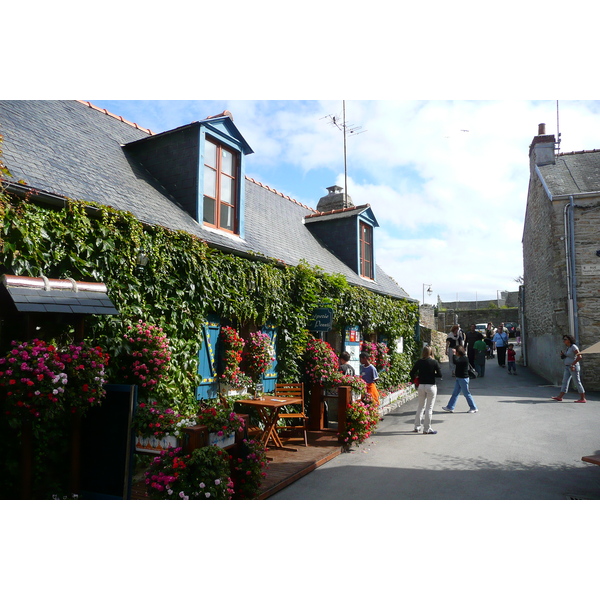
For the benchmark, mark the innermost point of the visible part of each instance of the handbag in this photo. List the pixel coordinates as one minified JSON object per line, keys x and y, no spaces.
{"x":416,"y":382}
{"x":472,"y":372}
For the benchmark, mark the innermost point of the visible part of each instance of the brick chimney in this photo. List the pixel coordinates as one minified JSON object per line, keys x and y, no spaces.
{"x":541,"y":150}
{"x":335,"y":200}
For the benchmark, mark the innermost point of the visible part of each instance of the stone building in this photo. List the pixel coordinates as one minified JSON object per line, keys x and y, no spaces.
{"x":561,"y":258}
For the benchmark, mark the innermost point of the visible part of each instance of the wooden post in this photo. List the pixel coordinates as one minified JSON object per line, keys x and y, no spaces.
{"x":315,"y":418}
{"x":344,"y":399}
{"x":26,"y":459}
{"x":75,"y":479}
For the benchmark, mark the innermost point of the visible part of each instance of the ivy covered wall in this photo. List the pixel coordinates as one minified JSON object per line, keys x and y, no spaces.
{"x":185,"y":281}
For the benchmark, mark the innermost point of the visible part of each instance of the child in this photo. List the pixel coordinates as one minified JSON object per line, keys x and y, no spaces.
{"x":511,"y":356}
{"x":369,"y":375}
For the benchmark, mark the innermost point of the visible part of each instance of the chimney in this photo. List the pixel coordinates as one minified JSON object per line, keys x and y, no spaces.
{"x":334,"y":200}
{"x":541,"y":150}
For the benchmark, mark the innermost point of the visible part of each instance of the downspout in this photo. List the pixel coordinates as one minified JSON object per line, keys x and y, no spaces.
{"x":570,"y":264}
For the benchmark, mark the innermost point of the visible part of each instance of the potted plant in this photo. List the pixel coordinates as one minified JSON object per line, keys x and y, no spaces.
{"x":249,"y":470}
{"x":34,"y":380}
{"x":158,"y":427}
{"x":222,"y":425}
{"x":361,"y":421}
{"x":145,"y":356}
{"x":258,"y":355}
{"x":202,"y":475}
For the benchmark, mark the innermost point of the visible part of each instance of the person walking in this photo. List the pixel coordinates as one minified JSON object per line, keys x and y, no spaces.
{"x":500,"y":341}
{"x":462,"y":382}
{"x":511,"y":359}
{"x":471,"y":337}
{"x":426,"y":369}
{"x":453,"y":340}
{"x":344,"y":365}
{"x":572,"y":357}
{"x":489,"y":334}
{"x":480,"y":356}
{"x":369,"y":375}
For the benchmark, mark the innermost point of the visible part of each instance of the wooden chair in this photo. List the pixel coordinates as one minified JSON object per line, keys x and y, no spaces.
{"x":298,"y":419}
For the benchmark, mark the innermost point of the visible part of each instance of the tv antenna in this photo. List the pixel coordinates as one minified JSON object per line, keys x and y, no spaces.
{"x":347,"y":130}
{"x":557,"y":131}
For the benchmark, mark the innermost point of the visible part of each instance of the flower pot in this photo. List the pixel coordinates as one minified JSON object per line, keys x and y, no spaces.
{"x":154,"y":445}
{"x":222,"y":441}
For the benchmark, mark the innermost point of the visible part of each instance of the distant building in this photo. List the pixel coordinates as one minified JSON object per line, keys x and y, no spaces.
{"x":561,"y":258}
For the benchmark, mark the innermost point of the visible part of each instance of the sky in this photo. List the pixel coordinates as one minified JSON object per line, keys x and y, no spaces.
{"x":446,"y":179}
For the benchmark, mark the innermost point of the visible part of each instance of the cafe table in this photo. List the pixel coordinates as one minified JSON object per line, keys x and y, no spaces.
{"x":268,"y":409}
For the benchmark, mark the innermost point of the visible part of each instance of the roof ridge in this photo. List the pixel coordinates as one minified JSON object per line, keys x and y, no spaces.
{"x":339,"y":210}
{"x":578,"y":152}
{"x":106,"y":112}
{"x":280,"y":194}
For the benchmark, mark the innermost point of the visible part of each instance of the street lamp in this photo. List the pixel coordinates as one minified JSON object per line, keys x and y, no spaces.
{"x":429,"y":290}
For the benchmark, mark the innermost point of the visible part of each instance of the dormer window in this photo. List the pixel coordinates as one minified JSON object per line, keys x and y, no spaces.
{"x":220,"y":186}
{"x":366,"y":250}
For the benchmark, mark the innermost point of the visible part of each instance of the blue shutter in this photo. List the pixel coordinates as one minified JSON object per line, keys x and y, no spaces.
{"x":207,"y":356}
{"x":269,"y":378}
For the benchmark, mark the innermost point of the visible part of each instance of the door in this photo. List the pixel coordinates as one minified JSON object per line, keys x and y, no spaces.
{"x":207,"y":360}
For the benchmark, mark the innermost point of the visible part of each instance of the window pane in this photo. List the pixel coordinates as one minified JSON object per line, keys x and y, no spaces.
{"x":226,"y":217}
{"x":226,"y":162}
{"x":209,"y":210}
{"x":210,"y":182}
{"x":227,"y":189}
{"x":210,"y":154}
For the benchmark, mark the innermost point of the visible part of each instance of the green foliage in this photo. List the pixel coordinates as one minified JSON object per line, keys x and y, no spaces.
{"x":185,"y":281}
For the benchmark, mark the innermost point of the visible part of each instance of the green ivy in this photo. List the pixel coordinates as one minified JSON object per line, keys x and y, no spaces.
{"x":186,"y":280}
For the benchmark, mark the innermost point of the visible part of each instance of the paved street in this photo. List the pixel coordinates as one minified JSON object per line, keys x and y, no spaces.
{"x":519,"y":446}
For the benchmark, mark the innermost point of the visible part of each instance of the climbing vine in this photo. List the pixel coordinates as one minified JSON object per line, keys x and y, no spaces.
{"x":186,"y":280}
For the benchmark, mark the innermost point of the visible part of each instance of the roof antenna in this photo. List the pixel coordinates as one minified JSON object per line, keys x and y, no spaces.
{"x":557,"y":131}
{"x":346,"y":129}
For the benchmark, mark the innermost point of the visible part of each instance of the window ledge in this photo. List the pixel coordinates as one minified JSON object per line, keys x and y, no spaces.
{"x":226,"y":234}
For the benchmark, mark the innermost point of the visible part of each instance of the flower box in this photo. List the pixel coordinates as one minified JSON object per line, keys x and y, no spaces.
{"x":155,"y":445}
{"x":222,"y":441}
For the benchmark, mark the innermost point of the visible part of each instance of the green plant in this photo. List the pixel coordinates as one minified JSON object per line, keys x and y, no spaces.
{"x":220,"y":420}
{"x":258,"y":355}
{"x":361,"y":421}
{"x":202,"y":475}
{"x":249,"y":469}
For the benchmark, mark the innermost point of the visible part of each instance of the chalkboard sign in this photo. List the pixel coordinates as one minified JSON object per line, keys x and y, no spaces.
{"x":322,"y":320}
{"x":107,"y":445}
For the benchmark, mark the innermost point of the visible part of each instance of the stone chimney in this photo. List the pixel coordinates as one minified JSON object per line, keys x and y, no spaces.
{"x":335,"y":200}
{"x":541,"y":150}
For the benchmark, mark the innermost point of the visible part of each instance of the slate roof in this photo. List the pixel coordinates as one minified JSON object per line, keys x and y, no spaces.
{"x":573,"y":173}
{"x":72,"y":149}
{"x":42,"y":295}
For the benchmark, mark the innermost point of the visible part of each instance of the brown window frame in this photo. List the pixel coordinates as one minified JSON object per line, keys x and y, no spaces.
{"x":218,"y":196}
{"x":366,"y":251}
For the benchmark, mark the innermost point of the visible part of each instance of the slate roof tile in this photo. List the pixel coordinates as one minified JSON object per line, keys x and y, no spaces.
{"x":73,"y":149}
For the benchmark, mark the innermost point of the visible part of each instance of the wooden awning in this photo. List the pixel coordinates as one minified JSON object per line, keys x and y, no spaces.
{"x":62,"y":296}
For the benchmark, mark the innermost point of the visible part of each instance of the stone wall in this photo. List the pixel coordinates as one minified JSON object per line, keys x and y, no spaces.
{"x":427,"y":316}
{"x":437,"y":339}
{"x":545,"y":301}
{"x":447,"y":318}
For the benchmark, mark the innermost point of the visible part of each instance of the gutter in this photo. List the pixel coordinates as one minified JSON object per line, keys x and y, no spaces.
{"x":570,"y":264}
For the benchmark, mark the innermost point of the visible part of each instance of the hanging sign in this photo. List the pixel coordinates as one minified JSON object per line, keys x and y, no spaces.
{"x":322,"y":320}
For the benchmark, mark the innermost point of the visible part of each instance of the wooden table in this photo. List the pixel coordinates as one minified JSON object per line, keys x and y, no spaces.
{"x":268,"y":409}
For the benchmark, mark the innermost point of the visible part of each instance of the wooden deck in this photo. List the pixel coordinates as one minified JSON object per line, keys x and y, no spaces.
{"x":285,"y":466}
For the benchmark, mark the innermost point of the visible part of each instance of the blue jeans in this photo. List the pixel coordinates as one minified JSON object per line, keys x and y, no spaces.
{"x":567,"y":374}
{"x":461,"y":385}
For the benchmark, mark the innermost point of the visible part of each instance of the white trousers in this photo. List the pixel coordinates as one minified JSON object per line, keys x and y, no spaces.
{"x":426,"y":396}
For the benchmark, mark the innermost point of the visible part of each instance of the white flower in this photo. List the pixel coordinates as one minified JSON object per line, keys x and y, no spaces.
{"x":202,"y":486}
{"x":207,"y":494}
{"x":169,"y":491}
{"x":217,"y":482}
